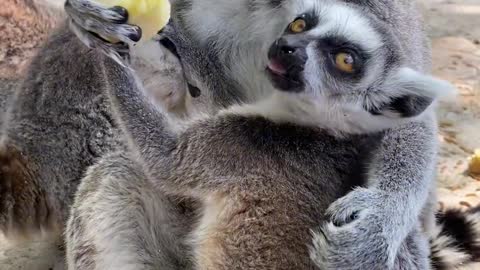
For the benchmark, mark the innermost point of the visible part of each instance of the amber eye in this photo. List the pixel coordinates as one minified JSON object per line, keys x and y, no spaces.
{"x":344,"y":62}
{"x":298,"y":26}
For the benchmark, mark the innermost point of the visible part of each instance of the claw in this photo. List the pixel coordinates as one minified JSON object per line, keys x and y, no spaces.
{"x":117,"y":51}
{"x":342,"y":222}
{"x":136,"y":35}
{"x":89,"y":8}
{"x":354,"y":216}
{"x":122,"y":12}
{"x":322,"y":231}
{"x":122,"y":32}
{"x":338,"y":223}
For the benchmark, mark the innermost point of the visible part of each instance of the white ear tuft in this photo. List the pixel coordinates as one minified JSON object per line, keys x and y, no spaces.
{"x":424,"y":85}
{"x":410,"y":93}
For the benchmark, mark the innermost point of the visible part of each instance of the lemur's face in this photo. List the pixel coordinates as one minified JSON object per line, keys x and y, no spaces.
{"x":335,"y":54}
{"x":331,"y":49}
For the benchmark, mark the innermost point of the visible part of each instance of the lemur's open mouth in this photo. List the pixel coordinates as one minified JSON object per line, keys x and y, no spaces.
{"x":170,"y":46}
{"x":283,"y":78}
{"x":285,"y":66}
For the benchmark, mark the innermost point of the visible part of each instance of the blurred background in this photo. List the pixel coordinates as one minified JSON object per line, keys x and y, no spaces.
{"x":454,"y":28}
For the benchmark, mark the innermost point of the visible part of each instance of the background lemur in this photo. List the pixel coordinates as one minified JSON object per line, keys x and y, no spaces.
{"x":373,"y":108}
{"x":58,"y":123}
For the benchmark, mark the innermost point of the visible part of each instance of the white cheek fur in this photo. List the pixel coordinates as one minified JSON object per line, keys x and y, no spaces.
{"x":340,"y":19}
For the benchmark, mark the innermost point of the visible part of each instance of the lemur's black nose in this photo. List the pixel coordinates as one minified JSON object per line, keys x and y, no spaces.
{"x":287,"y":57}
{"x":283,"y":47}
{"x":288,"y":49}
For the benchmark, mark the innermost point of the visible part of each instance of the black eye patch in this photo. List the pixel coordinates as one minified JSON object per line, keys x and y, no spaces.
{"x":329,"y":47}
{"x":310,"y":19}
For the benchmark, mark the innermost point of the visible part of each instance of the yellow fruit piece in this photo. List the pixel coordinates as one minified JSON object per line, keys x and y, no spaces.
{"x":474,"y":163}
{"x":150,"y":15}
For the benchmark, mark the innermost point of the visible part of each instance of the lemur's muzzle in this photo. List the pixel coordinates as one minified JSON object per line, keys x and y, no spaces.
{"x":287,"y":57}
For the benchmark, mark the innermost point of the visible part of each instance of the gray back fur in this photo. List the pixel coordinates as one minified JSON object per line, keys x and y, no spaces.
{"x":58,"y":124}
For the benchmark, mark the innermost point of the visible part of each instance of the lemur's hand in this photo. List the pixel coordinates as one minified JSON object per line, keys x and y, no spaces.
{"x":94,"y":23}
{"x":361,"y":233}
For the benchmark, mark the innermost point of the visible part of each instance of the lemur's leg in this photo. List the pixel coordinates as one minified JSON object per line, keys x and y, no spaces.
{"x":428,"y":215}
{"x":413,"y":254}
{"x":119,"y":222}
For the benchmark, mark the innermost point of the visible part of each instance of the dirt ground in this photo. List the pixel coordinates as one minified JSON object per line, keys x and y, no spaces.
{"x":455,"y":31}
{"x":454,"y":26}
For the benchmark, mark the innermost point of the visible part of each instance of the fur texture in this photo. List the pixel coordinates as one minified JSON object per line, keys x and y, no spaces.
{"x":136,"y":227}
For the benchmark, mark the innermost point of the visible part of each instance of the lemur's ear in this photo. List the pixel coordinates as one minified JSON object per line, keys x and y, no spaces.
{"x":409,"y":93}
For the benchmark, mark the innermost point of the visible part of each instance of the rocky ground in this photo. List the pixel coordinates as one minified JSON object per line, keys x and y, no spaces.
{"x":455,"y":32}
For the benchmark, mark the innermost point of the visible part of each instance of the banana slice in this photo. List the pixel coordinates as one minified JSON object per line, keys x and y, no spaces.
{"x":474,"y":163}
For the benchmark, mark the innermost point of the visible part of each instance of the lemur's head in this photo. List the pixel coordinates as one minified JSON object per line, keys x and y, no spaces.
{"x":341,"y":58}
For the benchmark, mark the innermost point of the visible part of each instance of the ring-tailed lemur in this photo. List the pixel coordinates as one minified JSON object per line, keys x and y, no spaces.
{"x":58,"y":123}
{"x":403,"y":104}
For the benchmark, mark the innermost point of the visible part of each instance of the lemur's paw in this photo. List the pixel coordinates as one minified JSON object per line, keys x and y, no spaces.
{"x":102,"y":28}
{"x":354,"y":237}
{"x":353,"y":206}
{"x":349,"y":248}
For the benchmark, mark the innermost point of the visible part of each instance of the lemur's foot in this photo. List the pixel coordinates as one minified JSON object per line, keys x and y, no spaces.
{"x":102,"y":28}
{"x":359,"y":233}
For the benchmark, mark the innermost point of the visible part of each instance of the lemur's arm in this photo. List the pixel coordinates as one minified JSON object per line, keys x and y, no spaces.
{"x":404,"y":165}
{"x":386,"y":211}
{"x":146,"y":126}
{"x":166,"y":153}
{"x":403,"y":169}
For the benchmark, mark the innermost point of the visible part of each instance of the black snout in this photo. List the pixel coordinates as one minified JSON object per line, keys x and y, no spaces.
{"x":287,"y":58}
{"x":289,"y":49}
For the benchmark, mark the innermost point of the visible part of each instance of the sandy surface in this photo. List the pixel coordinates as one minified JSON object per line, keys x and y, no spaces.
{"x":455,"y":31}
